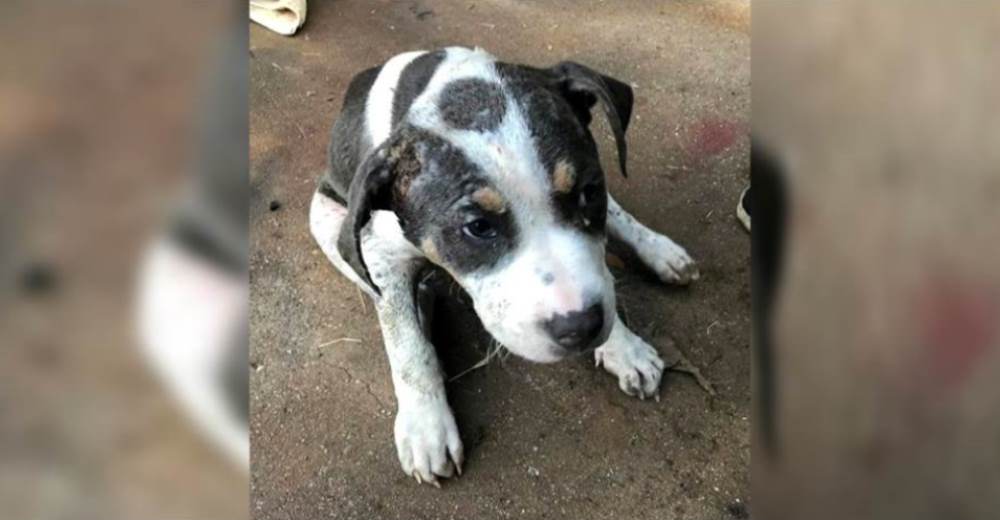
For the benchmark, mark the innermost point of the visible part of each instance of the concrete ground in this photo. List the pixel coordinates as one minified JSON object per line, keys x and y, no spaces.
{"x":555,"y":441}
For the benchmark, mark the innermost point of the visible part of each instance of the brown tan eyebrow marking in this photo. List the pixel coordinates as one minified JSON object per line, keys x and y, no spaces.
{"x":490,"y":200}
{"x":432,"y":253}
{"x":563,"y":177}
{"x":430,"y":250}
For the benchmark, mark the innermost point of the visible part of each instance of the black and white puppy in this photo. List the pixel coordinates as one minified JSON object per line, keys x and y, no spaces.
{"x":489,"y":171}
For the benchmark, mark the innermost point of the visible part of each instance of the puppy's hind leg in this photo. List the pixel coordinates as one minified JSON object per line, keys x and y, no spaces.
{"x":664,"y":256}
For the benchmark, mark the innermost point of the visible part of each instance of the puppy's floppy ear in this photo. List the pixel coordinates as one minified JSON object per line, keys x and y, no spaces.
{"x":371,"y":189}
{"x":583,"y":87}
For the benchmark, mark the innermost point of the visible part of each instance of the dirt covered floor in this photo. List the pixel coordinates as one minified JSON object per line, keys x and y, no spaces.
{"x":556,"y":441}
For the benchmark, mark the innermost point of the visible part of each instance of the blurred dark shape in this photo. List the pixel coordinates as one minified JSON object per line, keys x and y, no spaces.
{"x":274,"y":206}
{"x":766,"y":198}
{"x":37,"y":279}
{"x":235,"y":370}
{"x":211,"y":218}
{"x":200,"y":348}
{"x":738,"y":510}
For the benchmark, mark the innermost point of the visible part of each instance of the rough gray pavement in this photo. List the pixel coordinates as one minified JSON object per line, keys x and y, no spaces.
{"x":553,"y":441}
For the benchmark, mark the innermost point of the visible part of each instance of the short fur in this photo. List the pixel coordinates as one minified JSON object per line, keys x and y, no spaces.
{"x":489,"y":171}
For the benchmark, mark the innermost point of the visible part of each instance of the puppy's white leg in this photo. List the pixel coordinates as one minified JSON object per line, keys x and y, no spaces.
{"x":425,"y":431}
{"x":636,"y":364}
{"x":427,"y":439}
{"x":667,"y":259}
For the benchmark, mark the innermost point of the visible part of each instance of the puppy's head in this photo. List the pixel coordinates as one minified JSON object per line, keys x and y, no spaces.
{"x":497,"y":180}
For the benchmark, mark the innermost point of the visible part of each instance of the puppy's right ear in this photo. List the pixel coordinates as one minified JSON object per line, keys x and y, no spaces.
{"x":583,"y":86}
{"x":371,"y":190}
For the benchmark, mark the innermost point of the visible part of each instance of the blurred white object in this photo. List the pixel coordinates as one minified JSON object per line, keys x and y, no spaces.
{"x":281,"y":16}
{"x":190,"y":315}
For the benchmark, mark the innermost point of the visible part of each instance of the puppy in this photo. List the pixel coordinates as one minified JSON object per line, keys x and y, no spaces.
{"x":489,"y":171}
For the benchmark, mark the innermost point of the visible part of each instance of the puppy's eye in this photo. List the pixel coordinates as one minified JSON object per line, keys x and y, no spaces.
{"x":480,"y":228}
{"x":589,"y":194}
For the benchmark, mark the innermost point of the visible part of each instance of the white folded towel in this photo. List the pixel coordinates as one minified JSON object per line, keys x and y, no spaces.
{"x":281,"y":16}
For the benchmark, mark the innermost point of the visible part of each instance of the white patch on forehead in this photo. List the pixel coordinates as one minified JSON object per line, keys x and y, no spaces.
{"x":378,"y":106}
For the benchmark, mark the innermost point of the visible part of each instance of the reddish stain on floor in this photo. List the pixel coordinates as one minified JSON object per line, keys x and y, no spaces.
{"x":713,"y":136}
{"x":957,"y":321}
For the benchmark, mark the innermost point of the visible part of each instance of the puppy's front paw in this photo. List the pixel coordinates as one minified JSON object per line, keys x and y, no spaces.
{"x":427,"y":440}
{"x":637,"y":365}
{"x":669,"y":261}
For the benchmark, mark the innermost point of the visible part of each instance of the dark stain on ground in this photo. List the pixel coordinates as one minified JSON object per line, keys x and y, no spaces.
{"x":738,"y":510}
{"x":957,"y":324}
{"x":713,"y":136}
{"x":38,"y":278}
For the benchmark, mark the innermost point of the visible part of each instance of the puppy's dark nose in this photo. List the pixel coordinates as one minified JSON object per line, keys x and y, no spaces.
{"x":577,"y":330}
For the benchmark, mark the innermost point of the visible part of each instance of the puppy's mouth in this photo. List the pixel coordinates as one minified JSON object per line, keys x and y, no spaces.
{"x":555,"y":352}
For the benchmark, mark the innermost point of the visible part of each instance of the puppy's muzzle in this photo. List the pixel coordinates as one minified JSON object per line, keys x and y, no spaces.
{"x":577,"y":331}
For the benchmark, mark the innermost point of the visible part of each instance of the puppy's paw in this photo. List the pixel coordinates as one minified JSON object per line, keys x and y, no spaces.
{"x":668,"y":260}
{"x":636,"y":364}
{"x":427,"y":441}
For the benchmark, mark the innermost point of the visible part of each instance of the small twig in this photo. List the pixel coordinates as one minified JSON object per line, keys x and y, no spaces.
{"x":678,"y":362}
{"x":364,"y":307}
{"x":482,"y":362}
{"x":686,"y":367}
{"x":708,"y":331}
{"x":496,"y":352}
{"x":339,"y":340}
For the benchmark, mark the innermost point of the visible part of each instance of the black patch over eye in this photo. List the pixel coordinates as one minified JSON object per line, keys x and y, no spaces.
{"x":590,"y":194}
{"x":480,"y":228}
{"x":585,"y":206}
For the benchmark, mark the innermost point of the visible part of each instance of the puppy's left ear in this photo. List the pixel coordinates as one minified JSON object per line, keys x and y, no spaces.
{"x":583,"y":87}
{"x":371,"y":189}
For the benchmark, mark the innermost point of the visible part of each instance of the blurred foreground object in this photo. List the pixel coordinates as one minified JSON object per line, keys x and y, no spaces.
{"x":193,"y":329}
{"x":768,"y":247}
{"x":886,"y":319}
{"x":281,"y":16}
{"x":95,"y":141}
{"x":193,"y":287}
